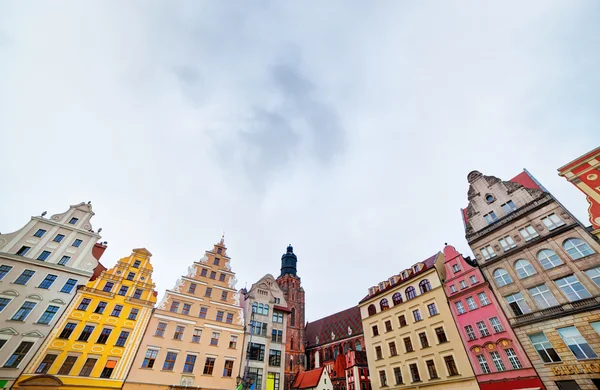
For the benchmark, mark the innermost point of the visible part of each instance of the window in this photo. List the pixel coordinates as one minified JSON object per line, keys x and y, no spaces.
{"x":86,"y":333}
{"x":190,"y":362}
{"x":104,"y":336}
{"x":67,"y":330}
{"x":39,"y":233}
{"x":130,"y":276}
{"x":393,"y":351}
{"x":192,"y":288}
{"x":67,"y":365}
{"x":178,"y":335}
{"x":3,"y":303}
{"x":490,"y":217}
{"x":502,"y":277}
{"x":483,"y":330}
{"x":222,"y":277}
{"x":576,"y":343}
{"x":73,"y":220}
{"x":572,"y":288}
{"x":276,"y":336}
{"x":452,"y":288}
{"x":402,"y":320}
{"x":169,"y":361}
{"x":133,"y":314}
{"x":4,"y":270}
{"x":108,"y":287}
{"x":398,"y":375}
{"x":524,"y":268}
{"x":471,"y":303}
{"x":278,"y":318}
{"x":274,"y":358}
{"x":136,"y":264}
{"x":117,"y":311}
{"x":76,"y":243}
{"x":208,"y":292}
{"x":123,"y":290}
{"x":470,"y":332}
{"x":83,"y":305}
{"x":214,"y":339}
{"x":431,"y":369}
{"x":150,"y":358}
{"x":64,"y":260}
{"x":213,"y":275}
{"x":383,"y":304}
{"x":450,"y":365}
{"x":59,"y":238}
{"x":483,"y":299}
{"x":483,"y":364}
{"x":473,"y":279}
{"x":408,"y":344}
{"x":417,"y":315}
{"x":496,"y":325}
{"x":46,"y":364}
{"x":220,"y":315}
{"x":544,"y":348}
{"x":23,"y":251}
{"x":186,"y":309}
{"x":203,"y":312}
{"x":388,"y":326}
{"x":517,"y":304}
{"x":594,"y":274}
{"x":44,"y":255}
{"x":48,"y":281}
{"x":507,"y":243}
{"x":228,"y":370}
{"x":509,"y":207}
{"x":577,"y":248}
{"x":463,"y":285}
{"x":410,"y":293}
{"x":256,"y":352}
{"x":160,"y":329}
{"x":174,"y":307}
{"x":224,"y":298}
{"x":196,"y":335}
{"x":497,"y":361}
{"x":23,"y":312}
{"x":396,"y":298}
{"x":455,"y":268}
{"x":372,"y":310}
{"x":542,"y":296}
{"x":548,"y":259}
{"x":382,"y":378}
{"x":432,"y":309}
{"x":48,"y":315}
{"x":488,"y":252}
{"x":203,"y":272}
{"x":15,"y":359}
{"x":108,"y":369}
{"x":24,"y":277}
{"x":122,"y":339}
{"x":414,"y":373}
{"x":441,"y":335}
{"x":378,"y":353}
{"x":69,"y":285}
{"x":423,"y":339}
{"x":569,"y":385}
{"x":375,"y":330}
{"x":460,"y":307}
{"x":233,"y":342}
{"x":528,"y":233}
{"x":217,"y":261}
{"x":552,"y":221}
{"x":424,"y":286}
{"x":137,"y":294}
{"x":513,"y":359}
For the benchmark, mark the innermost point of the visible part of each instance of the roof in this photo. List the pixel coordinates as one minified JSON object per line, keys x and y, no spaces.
{"x":428,"y":264}
{"x":282,"y":308}
{"x":308,"y":379}
{"x":579,"y":160}
{"x":337,"y":324}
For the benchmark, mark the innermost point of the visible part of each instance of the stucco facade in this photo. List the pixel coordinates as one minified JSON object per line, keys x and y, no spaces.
{"x":93,"y":344}
{"x":40,"y":266}
{"x":266,"y":312}
{"x":411,"y":338}
{"x":544,"y":268}
{"x":194,"y":337}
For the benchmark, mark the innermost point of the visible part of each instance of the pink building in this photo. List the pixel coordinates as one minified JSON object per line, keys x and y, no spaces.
{"x":494,"y":351}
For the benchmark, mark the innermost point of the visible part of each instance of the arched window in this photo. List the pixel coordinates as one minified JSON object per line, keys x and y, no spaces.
{"x":502,"y":277}
{"x":327,"y":356}
{"x":577,"y":248}
{"x":260,"y":308}
{"x":397,"y":298}
{"x":524,"y":268}
{"x":383,"y":304}
{"x":372,"y":310}
{"x":336,"y":351}
{"x":358,"y":345}
{"x":424,"y":286}
{"x":254,"y":307}
{"x":293,"y":317}
{"x":410,"y":293}
{"x":266,"y":310}
{"x":548,"y":259}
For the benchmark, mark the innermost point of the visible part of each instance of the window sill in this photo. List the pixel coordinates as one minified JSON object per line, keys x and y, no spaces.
{"x":166,"y":370}
{"x":435,"y":378}
{"x":460,"y":375}
{"x":433,"y":315}
{"x":429,"y":346}
{"x":416,"y":382}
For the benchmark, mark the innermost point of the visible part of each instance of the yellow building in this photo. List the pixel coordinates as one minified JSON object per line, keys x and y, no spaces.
{"x":410,"y":335}
{"x":93,"y":345}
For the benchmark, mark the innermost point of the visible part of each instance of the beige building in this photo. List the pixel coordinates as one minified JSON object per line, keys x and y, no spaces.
{"x":411,"y":338}
{"x":41,"y":265}
{"x":195,"y":334}
{"x":266,"y":311}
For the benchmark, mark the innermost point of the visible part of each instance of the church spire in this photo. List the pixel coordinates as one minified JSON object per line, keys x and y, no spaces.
{"x":288,"y":262}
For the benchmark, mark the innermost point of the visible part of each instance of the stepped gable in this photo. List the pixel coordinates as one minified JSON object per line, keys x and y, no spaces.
{"x":336,"y":324}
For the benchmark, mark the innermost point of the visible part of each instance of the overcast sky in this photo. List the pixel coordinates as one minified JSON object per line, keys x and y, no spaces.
{"x":344,"y":128}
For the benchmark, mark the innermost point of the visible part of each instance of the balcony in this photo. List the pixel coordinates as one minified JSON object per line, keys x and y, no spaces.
{"x":556,"y":311}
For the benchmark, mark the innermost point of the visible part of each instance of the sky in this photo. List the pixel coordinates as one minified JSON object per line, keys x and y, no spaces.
{"x":344,"y":128}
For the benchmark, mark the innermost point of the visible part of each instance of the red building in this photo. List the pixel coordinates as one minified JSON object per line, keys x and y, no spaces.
{"x":497,"y":357}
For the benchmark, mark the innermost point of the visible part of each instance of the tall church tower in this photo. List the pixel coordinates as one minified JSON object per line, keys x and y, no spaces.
{"x":289,"y":283}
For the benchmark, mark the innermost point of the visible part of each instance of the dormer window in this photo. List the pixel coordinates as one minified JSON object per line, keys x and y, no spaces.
{"x":416,"y":268}
{"x":381,"y":286}
{"x":509,"y":207}
{"x":403,"y":274}
{"x":489,"y":198}
{"x":73,"y":221}
{"x":490,"y":217}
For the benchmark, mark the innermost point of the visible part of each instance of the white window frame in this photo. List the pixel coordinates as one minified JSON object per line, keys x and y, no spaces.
{"x":520,"y":301}
{"x":470,"y":332}
{"x":496,"y":324}
{"x":471,"y":303}
{"x":545,"y":259}
{"x":483,"y":329}
{"x":483,"y":364}
{"x":473,"y":279}
{"x":497,"y":359}
{"x":528,"y":233}
{"x":574,"y":342}
{"x":513,"y":358}
{"x":460,"y":308}
{"x":507,"y":243}
{"x":566,"y":286}
{"x":485,"y":301}
{"x":502,"y":274}
{"x":524,"y":268}
{"x":543,"y":297}
{"x":488,"y":252}
{"x":553,"y":221}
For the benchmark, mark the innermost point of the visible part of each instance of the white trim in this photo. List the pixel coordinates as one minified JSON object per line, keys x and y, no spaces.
{"x":173,"y":350}
{"x":211,"y":355}
{"x":223,"y":328}
{"x":225,"y":288}
{"x":175,"y":319}
{"x":194,"y":281}
{"x":225,"y":305}
{"x":178,"y":294}
{"x":230,"y":357}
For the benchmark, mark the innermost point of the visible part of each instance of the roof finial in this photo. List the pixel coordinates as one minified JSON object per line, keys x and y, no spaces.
{"x":222,"y":238}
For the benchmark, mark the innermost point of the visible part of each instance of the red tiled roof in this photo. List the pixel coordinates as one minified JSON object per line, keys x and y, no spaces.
{"x":308,"y":379}
{"x":282,"y":308}
{"x":337,"y":324}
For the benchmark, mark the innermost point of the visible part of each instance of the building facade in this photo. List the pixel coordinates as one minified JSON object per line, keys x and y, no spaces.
{"x":584,"y":173}
{"x":291,"y":285}
{"x":544,"y":268}
{"x":194,"y":336}
{"x":410,"y":335}
{"x":316,"y":379}
{"x":357,"y":371}
{"x":494,"y":351}
{"x":92,"y":346}
{"x":266,"y":312}
{"x":40,"y":266}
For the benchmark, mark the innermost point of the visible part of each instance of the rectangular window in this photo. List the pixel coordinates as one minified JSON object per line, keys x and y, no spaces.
{"x":59,"y":238}
{"x":408,"y":344}
{"x":572,"y":288}
{"x":67,"y":365}
{"x":46,"y":363}
{"x":378,"y":353}
{"x":15,"y":359}
{"x":497,"y":361}
{"x":48,"y":281}
{"x":203,"y":272}
{"x":402,"y":320}
{"x":67,"y":330}
{"x":39,"y":233}
{"x":452,"y":288}
{"x":169,"y":361}
{"x":208,"y":292}
{"x":576,"y":343}
{"x":483,"y":364}
{"x":423,"y":339}
{"x":4,"y":270}
{"x":136,"y":264}
{"x":450,"y":365}
{"x":209,"y":365}
{"x":483,"y":299}
{"x":471,"y":303}
{"x":517,"y":304}
{"x":133,"y":314}
{"x":455,"y":268}
{"x":393,"y":351}
{"x":224,"y":295}
{"x":544,"y":348}
{"x":414,"y":373}
{"x":186,"y":309}
{"x":197,"y":335}
{"x":375,"y":330}
{"x":228,"y":370}
{"x":123,"y":290}
{"x":513,"y":359}
{"x":463,"y":285}
{"x":552,"y":221}
{"x":117,"y":311}
{"x":221,"y":277}
{"x":213,"y":275}
{"x":220,"y":315}
{"x":64,"y":260}
{"x":593,"y":273}
{"x":150,"y":358}
{"x":23,"y":251}
{"x":483,"y":330}
{"x":441,"y":335}
{"x":76,"y":243}
{"x":274,"y":358}
{"x":432,"y":309}
{"x":388,"y":326}
{"x":542,"y":296}
{"x":217,"y":261}
{"x":488,"y":252}
{"x":214,"y":340}
{"x":44,"y":255}
{"x":509,"y":207}
{"x":528,"y":233}
{"x":470,"y":332}
{"x":507,"y":243}
{"x":108,"y":287}
{"x":86,"y":333}
{"x":233,"y":342}
{"x":23,"y":312}
{"x":192,"y":288}
{"x":130,"y":276}
{"x":431,"y":369}
{"x":137,"y":294}
{"x":276,"y":336}
{"x":24,"y":277}
{"x":398,"y":375}
{"x":382,"y":378}
{"x":473,"y":279}
{"x":190,"y":362}
{"x":203,"y":311}
{"x":69,"y":285}
{"x":496,"y":325}
{"x":160,"y":329}
{"x":229,"y":318}
{"x":122,"y":338}
{"x":417,"y":315}
{"x":178,"y":335}
{"x":3,"y":303}
{"x":108,"y":369}
{"x":48,"y":315}
{"x":460,"y":308}
{"x":104,"y":335}
{"x":174,"y":307}
{"x":490,"y":217}
{"x":73,"y":220}
{"x":83,"y":305}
